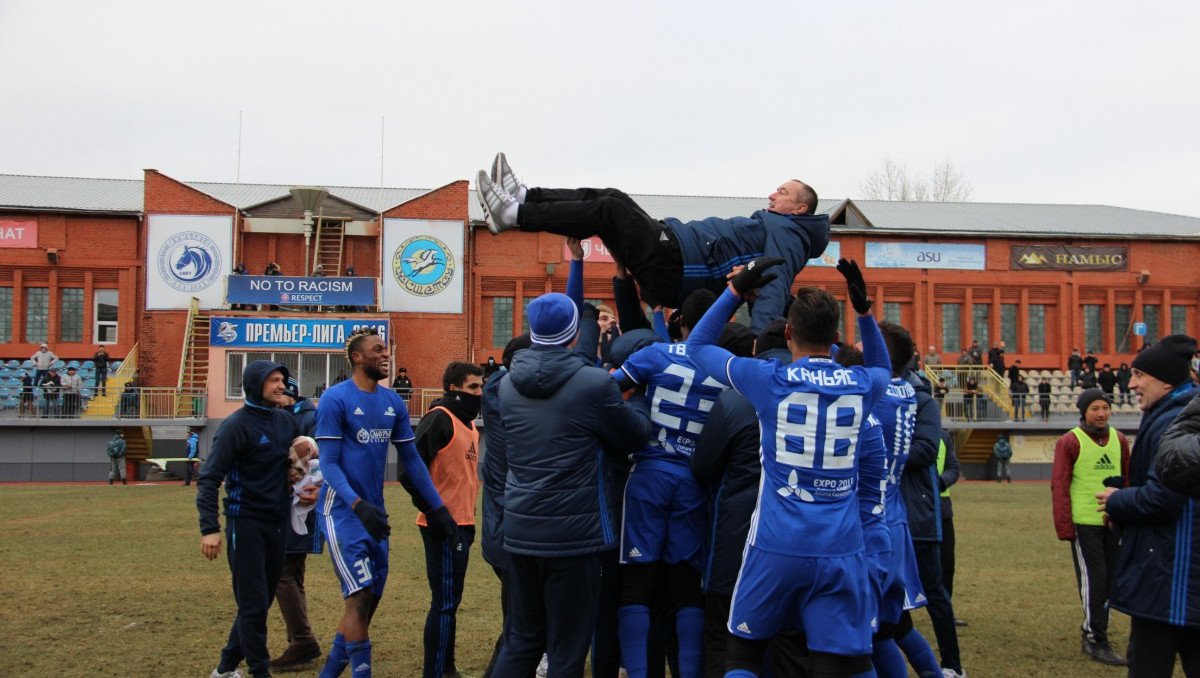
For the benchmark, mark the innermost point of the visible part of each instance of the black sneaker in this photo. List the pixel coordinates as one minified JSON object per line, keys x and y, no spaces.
{"x":1103,"y":653}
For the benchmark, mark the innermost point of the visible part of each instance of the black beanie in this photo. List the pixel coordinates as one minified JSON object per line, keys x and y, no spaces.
{"x":737,"y":339}
{"x":1169,"y":361}
{"x":1088,"y":397}
{"x":771,"y":337}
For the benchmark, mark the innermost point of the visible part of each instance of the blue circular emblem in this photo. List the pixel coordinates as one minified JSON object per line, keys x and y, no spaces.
{"x":189,"y":261}
{"x":423,"y":265}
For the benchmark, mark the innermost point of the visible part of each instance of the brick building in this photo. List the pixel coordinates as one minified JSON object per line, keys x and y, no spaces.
{"x":1043,"y":278}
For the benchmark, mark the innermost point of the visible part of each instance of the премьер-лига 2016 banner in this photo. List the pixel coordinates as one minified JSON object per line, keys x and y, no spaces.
{"x":287,"y":332}
{"x":300,"y":291}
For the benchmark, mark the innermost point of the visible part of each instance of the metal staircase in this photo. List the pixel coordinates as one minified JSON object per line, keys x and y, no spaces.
{"x":331,"y":241}
{"x":194,"y":363}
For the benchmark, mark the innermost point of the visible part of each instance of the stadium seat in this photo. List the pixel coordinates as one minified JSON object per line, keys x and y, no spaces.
{"x":89,"y":365}
{"x":114,"y":366}
{"x":86,"y":393}
{"x":4,"y":392}
{"x":73,"y":363}
{"x":5,"y":373}
{"x":59,"y":365}
{"x":13,"y":364}
{"x":13,"y":382}
{"x":28,"y":365}
{"x":12,"y":403}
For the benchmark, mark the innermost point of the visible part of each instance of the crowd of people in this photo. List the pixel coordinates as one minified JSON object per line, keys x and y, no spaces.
{"x":782,"y":496}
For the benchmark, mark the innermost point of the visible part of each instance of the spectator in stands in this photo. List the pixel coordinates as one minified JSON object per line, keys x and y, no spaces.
{"x":116,"y":457}
{"x":1123,"y":375}
{"x":964,"y":359}
{"x":1107,"y":381}
{"x":272,"y":269}
{"x":1084,"y":458}
{"x":353,"y":309}
{"x":976,"y":353}
{"x":971,"y":394}
{"x":1044,"y":390}
{"x":27,"y":395}
{"x":72,"y":387}
{"x":1020,"y":395}
{"x":1151,"y":581}
{"x":1003,"y":452}
{"x":932,"y":358}
{"x":319,"y":271}
{"x":940,"y":391}
{"x":403,"y":386}
{"x":1014,"y":371}
{"x":51,"y":385}
{"x":1088,"y":378}
{"x":240,"y":269}
{"x":42,"y":360}
{"x":100,"y":361}
{"x":996,"y":358}
{"x":490,"y":367}
{"x":1090,"y":361}
{"x":1075,"y":367}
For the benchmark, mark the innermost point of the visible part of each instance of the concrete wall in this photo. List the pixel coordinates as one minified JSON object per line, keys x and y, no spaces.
{"x":64,"y":454}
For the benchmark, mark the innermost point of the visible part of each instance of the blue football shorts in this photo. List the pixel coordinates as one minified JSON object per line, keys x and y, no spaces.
{"x":829,"y":598}
{"x":360,"y":562}
{"x":664,"y":517}
{"x":902,"y":586}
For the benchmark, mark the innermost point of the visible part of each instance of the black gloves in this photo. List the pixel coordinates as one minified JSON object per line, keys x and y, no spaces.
{"x":373,"y":519}
{"x":442,"y":523}
{"x":751,"y":278}
{"x":855,"y":285}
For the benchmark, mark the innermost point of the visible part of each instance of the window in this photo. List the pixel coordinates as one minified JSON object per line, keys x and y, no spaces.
{"x":6,"y":312}
{"x":502,"y":320}
{"x":1037,"y":328}
{"x":891,"y":312}
{"x":1093,"y":328}
{"x":1150,"y":317}
{"x":981,"y":324}
{"x":951,"y":327}
{"x":1123,"y":319}
{"x":1179,"y":324}
{"x":525,"y":313}
{"x":70,"y":326}
{"x":313,"y":371}
{"x":105,"y":331}
{"x":37,"y":314}
{"x":1008,"y":326}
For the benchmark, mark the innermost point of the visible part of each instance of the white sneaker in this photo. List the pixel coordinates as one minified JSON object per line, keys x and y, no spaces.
{"x":236,"y":673}
{"x":503,"y":176}
{"x":496,"y":204}
{"x":543,"y":668}
{"x":951,"y":673}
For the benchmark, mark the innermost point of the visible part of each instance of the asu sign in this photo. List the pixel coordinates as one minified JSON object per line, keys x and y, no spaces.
{"x":1068,"y":258}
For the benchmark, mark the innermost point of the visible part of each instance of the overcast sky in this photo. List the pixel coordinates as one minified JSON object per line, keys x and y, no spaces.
{"x":1092,"y":102}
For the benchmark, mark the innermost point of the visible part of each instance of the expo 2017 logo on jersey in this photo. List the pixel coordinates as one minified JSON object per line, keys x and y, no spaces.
{"x":423,"y":265}
{"x":189,"y":261}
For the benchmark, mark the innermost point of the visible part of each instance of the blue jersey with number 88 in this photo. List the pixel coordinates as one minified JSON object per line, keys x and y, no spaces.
{"x":811,"y":414}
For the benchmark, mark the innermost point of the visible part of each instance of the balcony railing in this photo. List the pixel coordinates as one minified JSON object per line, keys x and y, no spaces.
{"x":119,"y":403}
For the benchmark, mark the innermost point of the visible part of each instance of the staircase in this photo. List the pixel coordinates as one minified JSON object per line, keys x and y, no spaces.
{"x":331,"y":239}
{"x":193,"y":366}
{"x":105,"y":406}
{"x":139,"y":446}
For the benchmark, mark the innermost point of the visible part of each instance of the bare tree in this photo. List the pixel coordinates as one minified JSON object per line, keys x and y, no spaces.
{"x":892,"y":181}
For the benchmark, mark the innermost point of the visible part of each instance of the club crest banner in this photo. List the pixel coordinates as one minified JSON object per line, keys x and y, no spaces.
{"x":187,"y":256}
{"x":423,"y":266}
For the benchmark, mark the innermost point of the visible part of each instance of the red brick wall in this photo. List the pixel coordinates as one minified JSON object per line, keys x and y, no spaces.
{"x":161,"y":333}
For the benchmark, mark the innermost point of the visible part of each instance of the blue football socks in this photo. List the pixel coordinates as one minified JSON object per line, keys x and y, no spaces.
{"x":337,"y":659}
{"x":689,"y":627}
{"x":919,"y":654}
{"x":633,"y":628}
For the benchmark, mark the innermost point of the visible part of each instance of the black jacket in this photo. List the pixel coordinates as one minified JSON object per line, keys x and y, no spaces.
{"x":726,"y":461}
{"x":919,"y":484}
{"x":1178,"y":460}
{"x":250,"y":453}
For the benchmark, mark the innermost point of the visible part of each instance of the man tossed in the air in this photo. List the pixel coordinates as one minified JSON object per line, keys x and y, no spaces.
{"x":669,"y":259}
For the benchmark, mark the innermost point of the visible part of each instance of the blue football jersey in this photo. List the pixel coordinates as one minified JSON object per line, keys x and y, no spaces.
{"x":365,"y":424}
{"x":897,"y":413}
{"x":680,"y":395}
{"x":812,"y":413}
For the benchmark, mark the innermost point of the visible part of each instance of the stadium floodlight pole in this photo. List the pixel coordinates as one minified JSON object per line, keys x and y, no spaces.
{"x":310,"y":198}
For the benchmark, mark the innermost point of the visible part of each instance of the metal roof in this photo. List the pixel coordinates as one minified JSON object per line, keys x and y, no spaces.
{"x":966,"y":218}
{"x":1023,"y":219}
{"x":71,"y":194}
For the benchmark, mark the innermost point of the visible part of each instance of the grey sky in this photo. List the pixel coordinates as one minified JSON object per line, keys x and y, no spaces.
{"x":1056,"y":102}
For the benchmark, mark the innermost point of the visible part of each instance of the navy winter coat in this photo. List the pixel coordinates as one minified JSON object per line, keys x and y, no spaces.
{"x":919,"y":484}
{"x":1157,"y":574}
{"x":493,"y":472}
{"x":557,"y":500}
{"x":710,"y":248}
{"x":250,"y":453}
